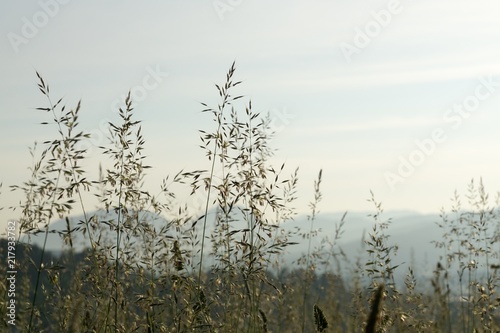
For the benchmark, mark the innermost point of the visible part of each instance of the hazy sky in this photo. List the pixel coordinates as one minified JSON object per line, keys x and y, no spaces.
{"x":398,"y":97}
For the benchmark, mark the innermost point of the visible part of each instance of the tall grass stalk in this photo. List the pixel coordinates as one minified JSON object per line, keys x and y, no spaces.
{"x":59,"y":162}
{"x":310,"y":270}
{"x":227,"y":99}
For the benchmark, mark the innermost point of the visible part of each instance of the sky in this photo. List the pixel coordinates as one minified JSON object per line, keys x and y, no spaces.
{"x":398,"y":97}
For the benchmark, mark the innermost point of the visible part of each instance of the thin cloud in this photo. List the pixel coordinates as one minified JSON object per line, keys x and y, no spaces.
{"x":372,"y":125}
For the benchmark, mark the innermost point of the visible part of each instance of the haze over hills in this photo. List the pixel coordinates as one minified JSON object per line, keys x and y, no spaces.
{"x":411,"y":231}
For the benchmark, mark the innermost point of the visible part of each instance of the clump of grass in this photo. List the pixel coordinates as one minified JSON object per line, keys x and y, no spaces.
{"x":155,"y":264}
{"x":467,"y":242}
{"x":56,"y":179}
{"x":247,"y":196}
{"x":310,"y":267}
{"x":379,"y":266}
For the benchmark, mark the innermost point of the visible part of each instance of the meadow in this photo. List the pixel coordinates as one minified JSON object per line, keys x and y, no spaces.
{"x":222,"y":270}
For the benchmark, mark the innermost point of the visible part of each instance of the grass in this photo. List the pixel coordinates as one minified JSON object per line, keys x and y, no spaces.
{"x":224,"y":272}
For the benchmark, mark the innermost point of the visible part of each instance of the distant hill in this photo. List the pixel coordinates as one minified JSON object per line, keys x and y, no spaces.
{"x":55,"y":240}
{"x":411,"y":231}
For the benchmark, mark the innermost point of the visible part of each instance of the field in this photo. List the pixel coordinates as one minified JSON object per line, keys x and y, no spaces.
{"x":222,"y":270}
